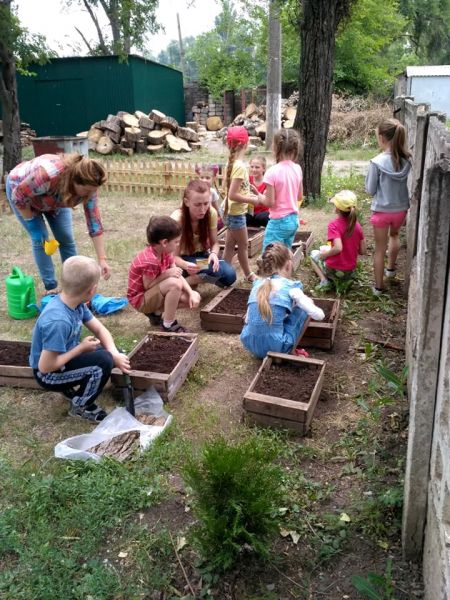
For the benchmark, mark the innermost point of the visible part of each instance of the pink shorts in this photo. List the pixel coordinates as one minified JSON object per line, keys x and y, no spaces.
{"x":388,"y":219}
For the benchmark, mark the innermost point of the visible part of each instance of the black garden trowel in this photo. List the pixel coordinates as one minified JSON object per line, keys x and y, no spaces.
{"x":128,"y":394}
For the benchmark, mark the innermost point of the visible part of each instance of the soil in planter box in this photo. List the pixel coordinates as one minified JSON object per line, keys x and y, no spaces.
{"x":327,"y":308}
{"x":301,"y":237}
{"x":159,"y":354}
{"x":251,"y":231}
{"x":234,"y":304}
{"x":287,"y":381}
{"x":14,"y":354}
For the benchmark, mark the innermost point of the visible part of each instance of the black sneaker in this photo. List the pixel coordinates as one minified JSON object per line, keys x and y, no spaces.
{"x":155,"y":319}
{"x":175,"y":328}
{"x":92,"y":413}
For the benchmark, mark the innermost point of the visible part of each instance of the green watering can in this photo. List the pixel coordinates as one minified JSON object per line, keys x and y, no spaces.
{"x":20,"y":293}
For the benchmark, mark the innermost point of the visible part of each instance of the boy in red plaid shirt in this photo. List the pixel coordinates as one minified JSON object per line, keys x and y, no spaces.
{"x":156,"y":287}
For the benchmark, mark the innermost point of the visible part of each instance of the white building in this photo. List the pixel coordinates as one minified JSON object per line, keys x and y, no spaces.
{"x":429,"y":84}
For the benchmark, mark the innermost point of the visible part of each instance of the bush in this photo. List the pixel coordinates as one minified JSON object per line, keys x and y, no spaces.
{"x":237,"y":491}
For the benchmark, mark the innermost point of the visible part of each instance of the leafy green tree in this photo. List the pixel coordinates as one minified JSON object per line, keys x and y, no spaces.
{"x":130,"y":21}
{"x":18,"y":48}
{"x":170,"y":56}
{"x":429,"y":29}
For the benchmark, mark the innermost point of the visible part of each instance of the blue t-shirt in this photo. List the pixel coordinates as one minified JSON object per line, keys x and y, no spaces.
{"x":57,"y":329}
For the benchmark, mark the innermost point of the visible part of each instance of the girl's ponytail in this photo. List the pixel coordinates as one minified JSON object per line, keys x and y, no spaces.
{"x":394,"y":132}
{"x":272,"y":260}
{"x":351,"y":222}
{"x":262,"y":296}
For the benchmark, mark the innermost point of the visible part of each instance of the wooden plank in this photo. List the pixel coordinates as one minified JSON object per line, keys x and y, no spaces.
{"x":15,"y":371}
{"x":266,"y":421}
{"x":320,"y":343}
{"x":315,"y":397}
{"x":276,"y":407}
{"x":25,"y":382}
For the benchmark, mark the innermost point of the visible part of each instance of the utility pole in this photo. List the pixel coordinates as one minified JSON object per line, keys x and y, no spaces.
{"x":273,"y":101}
{"x":180,"y":42}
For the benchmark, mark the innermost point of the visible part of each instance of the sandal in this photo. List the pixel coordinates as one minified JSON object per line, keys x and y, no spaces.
{"x":175,"y":328}
{"x":92,"y":413}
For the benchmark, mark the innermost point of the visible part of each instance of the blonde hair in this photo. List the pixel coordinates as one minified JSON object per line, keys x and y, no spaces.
{"x":261,"y":159}
{"x":79,"y":274}
{"x":272,"y":260}
{"x":287,"y":145}
{"x":394,"y":133}
{"x":79,"y":170}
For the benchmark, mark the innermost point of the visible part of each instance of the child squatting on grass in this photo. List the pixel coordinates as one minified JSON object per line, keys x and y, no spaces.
{"x":277,"y":307}
{"x":63,"y":363}
{"x":155,"y":284}
{"x":337,"y":261}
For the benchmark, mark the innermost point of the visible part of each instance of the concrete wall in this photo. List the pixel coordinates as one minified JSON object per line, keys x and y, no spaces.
{"x":426,"y":514}
{"x":434,"y":90}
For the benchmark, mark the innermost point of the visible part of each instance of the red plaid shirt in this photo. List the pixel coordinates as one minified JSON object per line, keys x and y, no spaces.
{"x":146,"y":263}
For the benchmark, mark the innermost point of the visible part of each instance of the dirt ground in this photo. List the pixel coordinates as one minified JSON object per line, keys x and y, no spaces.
{"x":210,"y":403}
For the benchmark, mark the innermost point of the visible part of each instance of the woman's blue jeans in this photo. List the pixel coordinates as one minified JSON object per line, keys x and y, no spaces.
{"x":224,"y":277}
{"x":60,"y":223}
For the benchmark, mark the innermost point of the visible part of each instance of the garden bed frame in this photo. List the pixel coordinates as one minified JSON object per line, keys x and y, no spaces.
{"x":255,"y":241}
{"x":215,"y":321}
{"x":18,"y":376}
{"x":300,"y":247}
{"x":321,"y":334}
{"x":271,"y":411}
{"x":167,"y":384}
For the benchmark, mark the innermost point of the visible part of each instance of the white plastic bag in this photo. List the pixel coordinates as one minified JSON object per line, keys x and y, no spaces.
{"x":117,"y":422}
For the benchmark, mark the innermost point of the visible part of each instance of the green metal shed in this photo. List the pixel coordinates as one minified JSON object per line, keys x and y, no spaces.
{"x":67,"y":95}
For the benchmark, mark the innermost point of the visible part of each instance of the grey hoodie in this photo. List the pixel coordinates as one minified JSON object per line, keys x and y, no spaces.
{"x":387,"y":186}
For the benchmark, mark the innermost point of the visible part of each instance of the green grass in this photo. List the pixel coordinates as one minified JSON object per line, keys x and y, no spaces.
{"x":339,"y":151}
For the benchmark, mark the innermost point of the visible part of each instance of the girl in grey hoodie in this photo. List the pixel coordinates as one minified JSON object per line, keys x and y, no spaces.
{"x":386,"y":181}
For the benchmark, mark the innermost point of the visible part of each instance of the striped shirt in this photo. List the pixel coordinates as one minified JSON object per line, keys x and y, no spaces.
{"x":147,"y":263}
{"x":35,"y":184}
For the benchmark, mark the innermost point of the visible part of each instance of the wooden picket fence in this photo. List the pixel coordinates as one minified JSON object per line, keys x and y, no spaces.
{"x":150,"y":176}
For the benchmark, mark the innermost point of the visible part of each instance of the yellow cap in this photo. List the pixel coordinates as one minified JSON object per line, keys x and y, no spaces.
{"x":344,"y":200}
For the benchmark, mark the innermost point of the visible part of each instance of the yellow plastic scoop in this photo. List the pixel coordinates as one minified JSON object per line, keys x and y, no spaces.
{"x":50,"y":246}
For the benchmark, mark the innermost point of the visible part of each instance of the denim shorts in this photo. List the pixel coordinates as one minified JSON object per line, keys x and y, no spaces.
{"x":235,"y":221}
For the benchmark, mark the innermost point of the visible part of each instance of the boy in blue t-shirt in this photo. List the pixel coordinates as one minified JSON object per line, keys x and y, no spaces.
{"x":60,"y":361}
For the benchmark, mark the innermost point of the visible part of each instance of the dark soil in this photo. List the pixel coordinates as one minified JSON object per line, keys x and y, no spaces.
{"x":301,"y":237}
{"x":159,"y":354}
{"x":288,"y":381}
{"x":235,"y":303}
{"x":15,"y":353}
{"x":327,"y":307}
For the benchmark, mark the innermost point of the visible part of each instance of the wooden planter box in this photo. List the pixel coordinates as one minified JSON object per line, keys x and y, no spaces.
{"x":320,"y":334}
{"x":262,"y":409}
{"x":255,"y":240}
{"x":167,"y":384}
{"x":302,"y":243}
{"x":18,"y":376}
{"x":218,"y":321}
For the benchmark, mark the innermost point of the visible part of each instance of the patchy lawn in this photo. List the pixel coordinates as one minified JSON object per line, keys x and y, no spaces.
{"x":110,"y":531}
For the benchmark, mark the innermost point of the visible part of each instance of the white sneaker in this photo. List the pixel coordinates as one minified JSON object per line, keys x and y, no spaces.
{"x":314,"y":254}
{"x":390,"y":273}
{"x":376,"y":291}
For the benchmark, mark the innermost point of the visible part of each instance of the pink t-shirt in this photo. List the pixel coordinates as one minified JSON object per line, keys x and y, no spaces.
{"x":347,"y":259}
{"x":286,"y":179}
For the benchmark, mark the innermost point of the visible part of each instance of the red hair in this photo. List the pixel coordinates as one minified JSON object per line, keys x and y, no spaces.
{"x":196,"y":186}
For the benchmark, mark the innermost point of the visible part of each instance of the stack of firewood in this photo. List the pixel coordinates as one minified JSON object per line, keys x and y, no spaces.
{"x":140,"y":132}
{"x":26,"y":134}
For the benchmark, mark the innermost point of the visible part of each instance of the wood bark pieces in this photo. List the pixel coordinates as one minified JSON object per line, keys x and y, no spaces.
{"x":115,"y":137}
{"x":176,"y":144}
{"x":130,"y":121}
{"x":155,"y":148}
{"x":170,"y":123}
{"x":141,"y":146}
{"x":139,"y":114}
{"x":126,"y":151}
{"x":94,"y":134}
{"x":192,"y":125}
{"x":132,"y":134}
{"x":156,"y":116}
{"x":188,"y":134}
{"x":105,"y":145}
{"x":195,"y":145}
{"x":156,"y":137}
{"x":151,"y":420}
{"x":113,"y":126}
{"x":146,"y":123}
{"x":251,"y":109}
{"x":214,"y":123}
{"x":119,"y":447}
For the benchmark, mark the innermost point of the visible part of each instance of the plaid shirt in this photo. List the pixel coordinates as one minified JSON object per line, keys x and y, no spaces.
{"x":35,"y":184}
{"x":149,"y":264}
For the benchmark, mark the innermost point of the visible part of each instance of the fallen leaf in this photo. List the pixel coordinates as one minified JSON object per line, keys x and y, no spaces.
{"x":284,"y":532}
{"x":181,"y":543}
{"x":295,"y":536}
{"x":122,"y":554}
{"x":344,"y":517}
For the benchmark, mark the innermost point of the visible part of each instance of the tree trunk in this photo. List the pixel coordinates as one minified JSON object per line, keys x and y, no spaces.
{"x":10,"y":110}
{"x":273,"y":119}
{"x":320,"y":21}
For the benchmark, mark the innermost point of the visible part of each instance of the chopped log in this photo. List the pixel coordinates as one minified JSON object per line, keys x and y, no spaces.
{"x":156,"y":137}
{"x":170,"y":123}
{"x":132,"y":134}
{"x":94,"y":134}
{"x":214,"y":123}
{"x":254,"y":140}
{"x":187,"y":134}
{"x":105,"y":145}
{"x":174,"y":143}
{"x":289,"y":113}
{"x":195,"y":145}
{"x":82,"y":134}
{"x":184,"y":144}
{"x":130,"y":121}
{"x":288,"y":124}
{"x":141,"y":146}
{"x":127,"y":151}
{"x":165,"y":130}
{"x":146,"y":123}
{"x":251,"y":110}
{"x":126,"y":144}
{"x":112,"y":126}
{"x":155,"y":148}
{"x":261,"y":131}
{"x":115,"y":137}
{"x":121,"y":114}
{"x":139,"y":114}
{"x":156,"y":116}
{"x":192,"y":125}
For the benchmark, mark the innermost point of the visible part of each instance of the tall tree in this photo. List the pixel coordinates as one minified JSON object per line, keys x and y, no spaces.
{"x":429,"y":29}
{"x":18,"y":48}
{"x":129,"y":21}
{"x":274,"y":73}
{"x":319,"y":22}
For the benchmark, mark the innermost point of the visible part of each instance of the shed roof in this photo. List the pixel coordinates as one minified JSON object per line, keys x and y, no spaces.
{"x":428,"y":71}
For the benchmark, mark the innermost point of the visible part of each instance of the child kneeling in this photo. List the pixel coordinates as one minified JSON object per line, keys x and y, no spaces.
{"x":63,"y":363}
{"x":277,"y":307}
{"x":155,"y":283}
{"x":337,"y":262}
